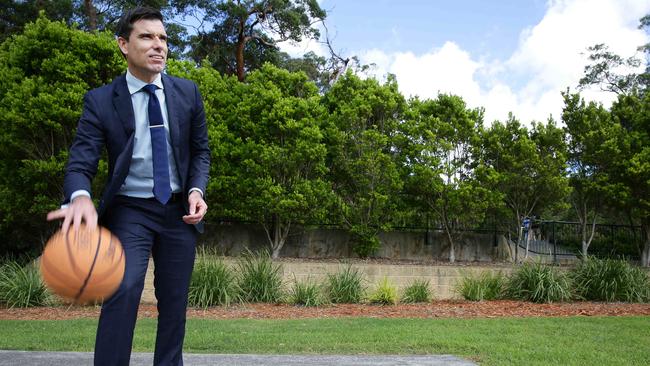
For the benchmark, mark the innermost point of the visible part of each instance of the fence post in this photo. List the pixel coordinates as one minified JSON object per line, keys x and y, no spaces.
{"x":554,"y":242}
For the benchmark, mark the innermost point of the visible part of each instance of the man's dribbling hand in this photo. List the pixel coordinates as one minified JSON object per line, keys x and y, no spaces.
{"x":80,"y":209}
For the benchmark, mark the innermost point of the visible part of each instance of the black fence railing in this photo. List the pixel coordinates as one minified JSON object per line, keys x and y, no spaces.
{"x":557,"y":239}
{"x":561,"y":239}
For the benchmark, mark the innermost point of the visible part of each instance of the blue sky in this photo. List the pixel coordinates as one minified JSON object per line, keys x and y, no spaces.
{"x":490,"y":28}
{"x":504,"y":55}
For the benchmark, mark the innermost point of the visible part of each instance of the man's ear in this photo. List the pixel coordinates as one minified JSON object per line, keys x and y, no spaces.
{"x":122,"y":43}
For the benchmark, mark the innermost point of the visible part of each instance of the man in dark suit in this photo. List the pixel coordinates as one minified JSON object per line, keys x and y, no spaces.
{"x":153,"y":127}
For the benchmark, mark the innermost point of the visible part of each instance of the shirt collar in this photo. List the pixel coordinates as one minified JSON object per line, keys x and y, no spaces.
{"x":135,"y":85}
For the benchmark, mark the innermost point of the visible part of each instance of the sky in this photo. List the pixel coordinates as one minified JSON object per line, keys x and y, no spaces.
{"x":504,"y":55}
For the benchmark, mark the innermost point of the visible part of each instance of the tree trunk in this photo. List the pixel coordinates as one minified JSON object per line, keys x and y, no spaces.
{"x":645,"y":252}
{"x":239,"y":51}
{"x":450,"y":238}
{"x":527,"y":238}
{"x":276,"y":234}
{"x":241,"y":74}
{"x":452,"y":252}
{"x":91,"y":13}
{"x":278,"y":242}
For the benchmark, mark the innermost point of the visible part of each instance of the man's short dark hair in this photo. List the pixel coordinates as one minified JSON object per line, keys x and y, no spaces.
{"x":125,"y":25}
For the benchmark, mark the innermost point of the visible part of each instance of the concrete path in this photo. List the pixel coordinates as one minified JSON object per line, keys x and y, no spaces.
{"x":27,"y":358}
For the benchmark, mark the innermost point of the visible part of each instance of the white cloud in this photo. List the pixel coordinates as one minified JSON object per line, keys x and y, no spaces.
{"x":298,"y":49}
{"x":550,"y":57}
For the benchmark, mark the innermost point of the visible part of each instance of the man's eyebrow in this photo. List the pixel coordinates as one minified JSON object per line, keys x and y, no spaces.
{"x":150,"y":34}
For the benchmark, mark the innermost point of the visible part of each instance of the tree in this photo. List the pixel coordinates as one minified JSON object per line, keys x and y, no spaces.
{"x":15,"y":14}
{"x":444,"y":176}
{"x":249,"y":27}
{"x":530,"y":168}
{"x":363,"y":116}
{"x":268,"y":149}
{"x":603,"y":71}
{"x":630,"y":138}
{"x":46,"y":70}
{"x":589,"y":130}
{"x":630,"y":167}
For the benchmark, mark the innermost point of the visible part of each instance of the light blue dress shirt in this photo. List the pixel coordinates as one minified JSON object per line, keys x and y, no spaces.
{"x":139,"y":181}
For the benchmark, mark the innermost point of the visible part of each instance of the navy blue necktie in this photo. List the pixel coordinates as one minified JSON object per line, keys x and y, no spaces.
{"x":161,"y":187}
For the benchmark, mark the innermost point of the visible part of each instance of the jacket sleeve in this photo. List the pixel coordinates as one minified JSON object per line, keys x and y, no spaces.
{"x":85,"y":151}
{"x":199,"y":150}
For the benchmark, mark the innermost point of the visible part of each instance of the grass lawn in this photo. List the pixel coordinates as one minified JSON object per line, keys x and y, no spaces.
{"x":502,"y":341}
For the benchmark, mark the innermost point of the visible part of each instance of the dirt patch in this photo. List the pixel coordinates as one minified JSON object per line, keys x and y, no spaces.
{"x":437,"y":309}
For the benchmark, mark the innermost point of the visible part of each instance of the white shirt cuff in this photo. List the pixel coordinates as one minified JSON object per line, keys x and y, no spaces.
{"x":195,"y":189}
{"x":75,"y":194}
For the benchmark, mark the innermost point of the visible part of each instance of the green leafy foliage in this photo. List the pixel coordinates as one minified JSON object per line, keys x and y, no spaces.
{"x":45,"y":72}
{"x":260,"y":280}
{"x":307,"y":293}
{"x":268,"y":143}
{"x":630,"y":160}
{"x":384,"y":294}
{"x":610,"y":280}
{"x":213,"y":283}
{"x":345,"y":286}
{"x":539,"y":283}
{"x":417,"y":291}
{"x":589,"y":129}
{"x":482,"y":286}
{"x":530,"y":169}
{"x":363,"y":115}
{"x":21,"y":285}
{"x":245,"y":32}
{"x":443,"y":174}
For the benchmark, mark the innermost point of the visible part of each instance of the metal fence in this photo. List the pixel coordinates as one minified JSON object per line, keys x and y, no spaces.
{"x":553,"y":239}
{"x":561,"y":239}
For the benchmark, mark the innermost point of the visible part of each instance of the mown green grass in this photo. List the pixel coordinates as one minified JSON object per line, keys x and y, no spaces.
{"x":503,"y":341}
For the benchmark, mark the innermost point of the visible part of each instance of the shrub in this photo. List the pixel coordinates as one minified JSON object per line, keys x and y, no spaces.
{"x":484,"y":286}
{"x":21,"y":286}
{"x":539,"y":283}
{"x":45,"y":72}
{"x":366,"y":242}
{"x":260,"y":280}
{"x":384,"y":294}
{"x":610,"y":280}
{"x":345,"y":287}
{"x":213,"y":283}
{"x":306,"y":293}
{"x":417,"y":291}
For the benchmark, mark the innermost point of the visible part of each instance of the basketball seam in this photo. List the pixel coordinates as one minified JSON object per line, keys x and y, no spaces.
{"x":92,"y":267}
{"x":107,"y":273}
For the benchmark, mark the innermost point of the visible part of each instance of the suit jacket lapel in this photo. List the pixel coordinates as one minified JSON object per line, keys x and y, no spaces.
{"x":123,"y":106}
{"x":172,"y":112}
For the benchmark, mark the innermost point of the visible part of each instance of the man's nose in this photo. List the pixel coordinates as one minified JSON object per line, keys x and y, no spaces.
{"x":158,"y":43}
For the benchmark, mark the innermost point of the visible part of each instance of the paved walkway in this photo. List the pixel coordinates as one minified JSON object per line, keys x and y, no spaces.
{"x":26,"y":358}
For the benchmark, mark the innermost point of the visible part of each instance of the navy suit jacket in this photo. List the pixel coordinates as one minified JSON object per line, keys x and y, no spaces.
{"x":107,"y":121}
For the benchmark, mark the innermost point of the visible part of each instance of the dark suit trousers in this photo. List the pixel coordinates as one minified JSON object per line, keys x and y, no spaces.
{"x":145,"y":226}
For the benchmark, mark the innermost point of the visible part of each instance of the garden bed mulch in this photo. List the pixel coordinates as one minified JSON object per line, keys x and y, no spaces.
{"x":437,"y":309}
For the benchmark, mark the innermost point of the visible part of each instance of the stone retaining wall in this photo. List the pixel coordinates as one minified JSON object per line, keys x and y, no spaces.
{"x":442,"y":277}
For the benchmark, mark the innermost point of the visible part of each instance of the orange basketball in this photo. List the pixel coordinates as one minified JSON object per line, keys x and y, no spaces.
{"x":83,"y":267}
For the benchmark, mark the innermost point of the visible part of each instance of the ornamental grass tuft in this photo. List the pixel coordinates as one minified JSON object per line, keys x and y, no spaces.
{"x":306,"y":293}
{"x":539,"y":283}
{"x":384,"y":294}
{"x":260,"y":280}
{"x":483,"y":286}
{"x":345,"y":286}
{"x":417,"y":291}
{"x":21,"y":285}
{"x":610,"y":280}
{"x":213,"y":283}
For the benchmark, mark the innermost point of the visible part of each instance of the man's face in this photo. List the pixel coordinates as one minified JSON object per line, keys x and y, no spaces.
{"x":146,"y":49}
